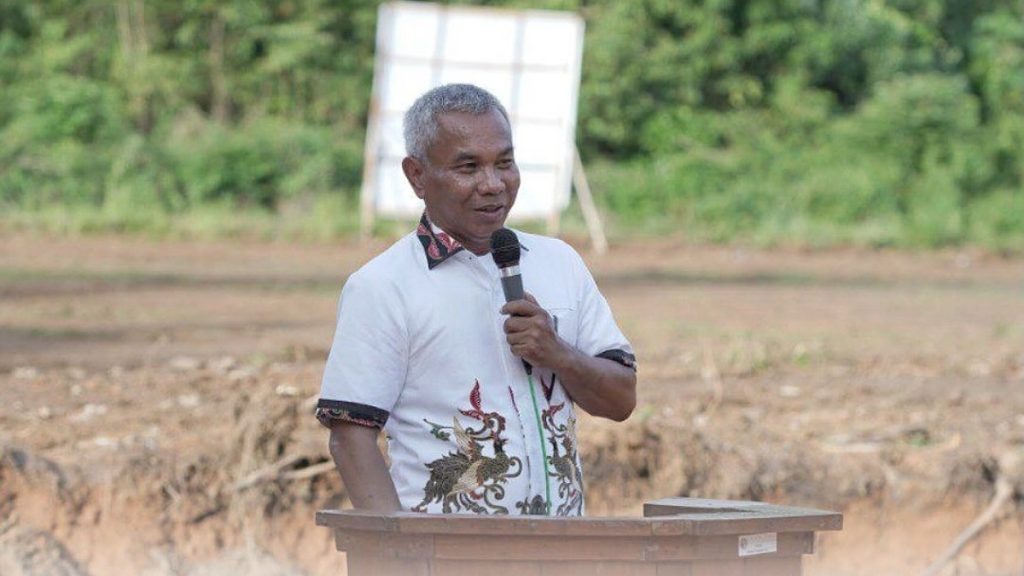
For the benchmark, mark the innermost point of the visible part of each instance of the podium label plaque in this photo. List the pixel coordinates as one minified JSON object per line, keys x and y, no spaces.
{"x":755,"y":544}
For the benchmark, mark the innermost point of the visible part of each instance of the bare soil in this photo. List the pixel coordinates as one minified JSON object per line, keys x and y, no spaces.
{"x":156,"y":399}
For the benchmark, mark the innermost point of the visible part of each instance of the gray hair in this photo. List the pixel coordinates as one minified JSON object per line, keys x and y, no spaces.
{"x":420,"y":124}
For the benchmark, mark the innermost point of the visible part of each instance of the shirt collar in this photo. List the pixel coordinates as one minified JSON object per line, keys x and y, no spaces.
{"x":437,"y":244}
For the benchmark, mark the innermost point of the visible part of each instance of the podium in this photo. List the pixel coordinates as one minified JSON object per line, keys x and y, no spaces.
{"x":676,"y":536}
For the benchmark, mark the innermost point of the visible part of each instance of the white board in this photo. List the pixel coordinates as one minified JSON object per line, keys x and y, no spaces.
{"x":529,"y":59}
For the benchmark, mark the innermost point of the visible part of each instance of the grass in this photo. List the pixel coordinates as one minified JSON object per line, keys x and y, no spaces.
{"x":321,"y":218}
{"x":328,"y":217}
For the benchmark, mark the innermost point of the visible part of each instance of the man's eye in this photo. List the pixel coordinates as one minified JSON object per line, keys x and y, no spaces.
{"x":506,"y":163}
{"x":468,"y":167}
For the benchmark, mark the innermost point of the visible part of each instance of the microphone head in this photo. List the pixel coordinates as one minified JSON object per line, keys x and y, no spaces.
{"x":505,"y":248}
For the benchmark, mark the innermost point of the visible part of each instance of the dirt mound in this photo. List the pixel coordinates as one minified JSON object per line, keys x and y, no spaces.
{"x":668,"y":455}
{"x":30,"y":552}
{"x":156,"y":415}
{"x":242,"y":561}
{"x":259,"y":467}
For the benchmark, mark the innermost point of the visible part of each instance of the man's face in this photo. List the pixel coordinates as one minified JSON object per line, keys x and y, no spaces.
{"x":469,"y":179}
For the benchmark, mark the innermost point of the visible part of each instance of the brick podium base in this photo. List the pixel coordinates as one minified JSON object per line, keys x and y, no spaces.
{"x":676,"y":536}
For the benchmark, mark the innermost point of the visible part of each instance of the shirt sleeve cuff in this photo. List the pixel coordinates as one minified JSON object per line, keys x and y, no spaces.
{"x":329,"y":412}
{"x":620,"y":356}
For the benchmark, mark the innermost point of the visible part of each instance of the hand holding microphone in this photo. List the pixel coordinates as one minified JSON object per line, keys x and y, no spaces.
{"x":529,"y":329}
{"x":531,"y":333}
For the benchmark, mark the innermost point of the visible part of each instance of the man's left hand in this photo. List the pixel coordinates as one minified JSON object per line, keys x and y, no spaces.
{"x":531,"y":334}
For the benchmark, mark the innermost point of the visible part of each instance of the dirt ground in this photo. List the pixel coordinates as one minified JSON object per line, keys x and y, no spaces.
{"x":156,"y":399}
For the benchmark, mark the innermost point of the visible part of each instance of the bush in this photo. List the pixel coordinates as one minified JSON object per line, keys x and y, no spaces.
{"x":57,"y":146}
{"x":934,"y":218}
{"x":252,"y":166}
{"x":997,"y":220}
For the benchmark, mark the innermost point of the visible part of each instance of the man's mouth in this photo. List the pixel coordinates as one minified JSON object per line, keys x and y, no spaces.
{"x":490,"y":209}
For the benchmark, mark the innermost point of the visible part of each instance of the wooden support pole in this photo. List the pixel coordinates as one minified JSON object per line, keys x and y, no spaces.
{"x":590,"y":215}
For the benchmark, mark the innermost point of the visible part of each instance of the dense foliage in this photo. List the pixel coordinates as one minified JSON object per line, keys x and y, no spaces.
{"x":809,"y":121}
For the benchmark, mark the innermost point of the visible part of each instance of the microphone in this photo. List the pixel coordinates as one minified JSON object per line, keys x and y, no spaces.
{"x":505,"y":251}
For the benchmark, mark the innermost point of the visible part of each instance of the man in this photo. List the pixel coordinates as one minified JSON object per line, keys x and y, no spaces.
{"x":427,"y":349}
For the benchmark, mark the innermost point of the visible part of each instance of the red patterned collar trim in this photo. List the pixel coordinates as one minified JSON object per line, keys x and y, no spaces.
{"x":437,"y":245}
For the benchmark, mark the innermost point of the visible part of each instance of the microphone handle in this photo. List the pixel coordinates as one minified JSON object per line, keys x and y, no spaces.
{"x":512,"y":286}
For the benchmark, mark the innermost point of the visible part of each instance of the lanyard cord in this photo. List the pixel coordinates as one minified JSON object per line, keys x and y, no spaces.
{"x":543,"y":447}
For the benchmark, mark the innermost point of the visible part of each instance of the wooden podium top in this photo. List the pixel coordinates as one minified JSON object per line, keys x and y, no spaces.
{"x":676,"y":537}
{"x":665,"y":517}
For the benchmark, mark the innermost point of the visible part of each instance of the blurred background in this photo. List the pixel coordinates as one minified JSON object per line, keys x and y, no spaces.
{"x":881,"y":123}
{"x":816,"y":215}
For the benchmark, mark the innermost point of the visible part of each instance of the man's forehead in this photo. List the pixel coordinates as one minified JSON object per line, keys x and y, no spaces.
{"x":468,"y":124}
{"x":464,"y":133}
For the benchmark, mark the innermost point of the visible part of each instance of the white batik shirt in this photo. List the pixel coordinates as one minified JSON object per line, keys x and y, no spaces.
{"x":420,"y":351}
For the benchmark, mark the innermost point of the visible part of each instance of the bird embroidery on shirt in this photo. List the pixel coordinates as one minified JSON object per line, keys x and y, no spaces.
{"x":564,"y":465}
{"x":467,"y":479}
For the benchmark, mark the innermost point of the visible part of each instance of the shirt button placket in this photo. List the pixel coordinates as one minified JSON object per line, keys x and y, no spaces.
{"x":521,"y":404}
{"x":533,"y":459}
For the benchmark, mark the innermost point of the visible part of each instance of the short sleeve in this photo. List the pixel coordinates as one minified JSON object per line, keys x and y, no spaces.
{"x":599,"y":334}
{"x":366,"y":367}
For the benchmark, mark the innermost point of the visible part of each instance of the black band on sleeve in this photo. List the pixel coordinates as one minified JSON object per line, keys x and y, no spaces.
{"x":621,"y":356}
{"x":330,"y":411}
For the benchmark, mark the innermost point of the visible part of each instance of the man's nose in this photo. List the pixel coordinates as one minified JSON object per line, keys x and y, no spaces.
{"x":491,"y":182}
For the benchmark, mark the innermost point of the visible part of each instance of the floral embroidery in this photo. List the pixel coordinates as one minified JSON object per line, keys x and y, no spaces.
{"x":549,"y":389}
{"x":562,"y":462}
{"x":533,"y":506}
{"x":447,"y":241}
{"x":468,"y":479}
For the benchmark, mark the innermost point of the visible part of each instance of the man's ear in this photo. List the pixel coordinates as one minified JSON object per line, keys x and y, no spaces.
{"x":414,"y":170}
